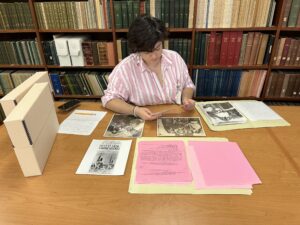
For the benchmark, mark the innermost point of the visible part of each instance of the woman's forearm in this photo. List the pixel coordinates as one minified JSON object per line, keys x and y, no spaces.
{"x":120,"y":106}
{"x":187,"y":93}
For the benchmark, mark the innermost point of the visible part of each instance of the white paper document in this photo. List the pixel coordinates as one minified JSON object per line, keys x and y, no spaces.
{"x":256,"y":110}
{"x":81,"y":122}
{"x":105,"y":157}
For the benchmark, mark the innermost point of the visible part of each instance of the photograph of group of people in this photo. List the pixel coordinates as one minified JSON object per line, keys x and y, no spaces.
{"x":222,"y":113}
{"x":125,"y":126}
{"x":179,"y":126}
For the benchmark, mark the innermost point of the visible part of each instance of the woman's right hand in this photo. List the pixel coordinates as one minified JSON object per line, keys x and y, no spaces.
{"x":145,"y":113}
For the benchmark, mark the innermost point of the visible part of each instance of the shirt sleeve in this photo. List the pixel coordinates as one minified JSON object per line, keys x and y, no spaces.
{"x":116,"y":88}
{"x":186,"y":78}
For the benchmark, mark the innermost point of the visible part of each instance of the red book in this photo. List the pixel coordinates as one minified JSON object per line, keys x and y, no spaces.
{"x":231,"y":48}
{"x":285,"y":50}
{"x":218,"y":48}
{"x":224,"y":48}
{"x":211,"y":49}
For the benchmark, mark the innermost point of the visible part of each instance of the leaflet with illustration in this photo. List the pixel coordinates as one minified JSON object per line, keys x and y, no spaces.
{"x":105,"y":157}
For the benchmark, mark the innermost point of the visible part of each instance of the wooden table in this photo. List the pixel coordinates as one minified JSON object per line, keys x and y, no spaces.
{"x":59,"y":197}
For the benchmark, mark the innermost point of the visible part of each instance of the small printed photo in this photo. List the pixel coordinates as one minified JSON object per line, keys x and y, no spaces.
{"x":125,"y":126}
{"x":179,"y":126}
{"x":223,"y":113}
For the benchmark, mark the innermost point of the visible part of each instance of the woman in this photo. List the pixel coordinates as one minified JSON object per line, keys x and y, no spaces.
{"x":151,"y":75}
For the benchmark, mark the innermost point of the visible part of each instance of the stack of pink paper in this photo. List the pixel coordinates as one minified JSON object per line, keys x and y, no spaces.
{"x":220,"y":165}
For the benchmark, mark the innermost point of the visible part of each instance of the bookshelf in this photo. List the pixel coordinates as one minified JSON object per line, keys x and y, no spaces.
{"x":188,"y":31}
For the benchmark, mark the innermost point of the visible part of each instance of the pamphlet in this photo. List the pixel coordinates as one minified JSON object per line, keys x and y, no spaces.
{"x":105,"y":157}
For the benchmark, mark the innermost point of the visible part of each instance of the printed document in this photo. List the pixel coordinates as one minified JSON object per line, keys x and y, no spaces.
{"x":105,"y":157}
{"x":256,"y":110}
{"x":81,"y":122}
{"x":162,"y":162}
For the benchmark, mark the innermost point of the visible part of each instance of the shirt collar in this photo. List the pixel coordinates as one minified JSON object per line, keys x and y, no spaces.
{"x":166,"y":62}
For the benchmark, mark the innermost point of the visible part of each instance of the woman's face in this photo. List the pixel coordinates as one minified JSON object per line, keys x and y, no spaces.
{"x":153,"y":58}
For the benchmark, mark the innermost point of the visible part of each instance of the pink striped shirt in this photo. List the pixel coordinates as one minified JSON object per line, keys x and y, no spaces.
{"x":133,"y":82}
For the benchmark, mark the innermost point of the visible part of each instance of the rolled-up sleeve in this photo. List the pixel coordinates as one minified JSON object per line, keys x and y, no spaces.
{"x":116,"y":88}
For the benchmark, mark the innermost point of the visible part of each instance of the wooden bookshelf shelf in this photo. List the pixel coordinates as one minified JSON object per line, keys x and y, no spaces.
{"x":15,"y":31}
{"x":296,"y":29}
{"x":80,"y":67}
{"x":287,"y":99}
{"x":179,"y":30}
{"x":236,"y":29}
{"x":225,"y":98}
{"x":6,"y":66}
{"x":254,"y":67}
{"x":285,"y":67}
{"x":76,"y":31}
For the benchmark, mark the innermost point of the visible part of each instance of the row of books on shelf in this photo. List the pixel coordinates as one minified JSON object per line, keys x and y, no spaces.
{"x":127,"y":11}
{"x":23,"y":52}
{"x":287,"y":52}
{"x":15,"y":15}
{"x":180,"y":45}
{"x":215,"y":48}
{"x":93,"y":52}
{"x":9,"y":79}
{"x":236,"y":13}
{"x":284,"y":84}
{"x":174,"y":13}
{"x":233,"y":48}
{"x":91,"y":14}
{"x":229,"y":83}
{"x":291,"y":14}
{"x":79,"y":82}
{"x":95,"y":14}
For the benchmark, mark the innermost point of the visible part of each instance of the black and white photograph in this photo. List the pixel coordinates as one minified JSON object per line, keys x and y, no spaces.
{"x":179,"y":126}
{"x":222,"y":113}
{"x":105,"y":157}
{"x":125,"y":126}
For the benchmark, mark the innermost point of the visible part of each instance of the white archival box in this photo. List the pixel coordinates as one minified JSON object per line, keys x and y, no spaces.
{"x":62,"y":49}
{"x":32,"y":128}
{"x":10,"y":100}
{"x":69,"y":49}
{"x":75,"y":50}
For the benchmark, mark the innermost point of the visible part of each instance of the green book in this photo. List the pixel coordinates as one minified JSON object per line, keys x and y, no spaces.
{"x":118,"y":14}
{"x":124,"y":10}
{"x":294,"y":13}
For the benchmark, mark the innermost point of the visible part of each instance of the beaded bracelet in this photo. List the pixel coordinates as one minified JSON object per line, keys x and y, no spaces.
{"x":134,"y":111}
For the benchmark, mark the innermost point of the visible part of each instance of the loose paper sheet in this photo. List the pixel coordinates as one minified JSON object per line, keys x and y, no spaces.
{"x":255,"y":110}
{"x":162,"y":162}
{"x":81,"y":122}
{"x":105,"y":157}
{"x":222,"y":165}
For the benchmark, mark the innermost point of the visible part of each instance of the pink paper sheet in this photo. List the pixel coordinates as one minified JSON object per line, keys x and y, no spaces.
{"x":221,"y":164}
{"x":162,"y":162}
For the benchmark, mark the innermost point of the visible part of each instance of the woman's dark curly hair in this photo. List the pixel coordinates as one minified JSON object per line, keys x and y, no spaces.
{"x":144,"y":32}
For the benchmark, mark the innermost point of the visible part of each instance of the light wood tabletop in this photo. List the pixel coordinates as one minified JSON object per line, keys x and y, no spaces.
{"x":59,"y":197}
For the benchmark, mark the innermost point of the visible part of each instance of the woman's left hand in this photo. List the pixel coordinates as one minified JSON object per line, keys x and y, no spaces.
{"x":188,"y":104}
